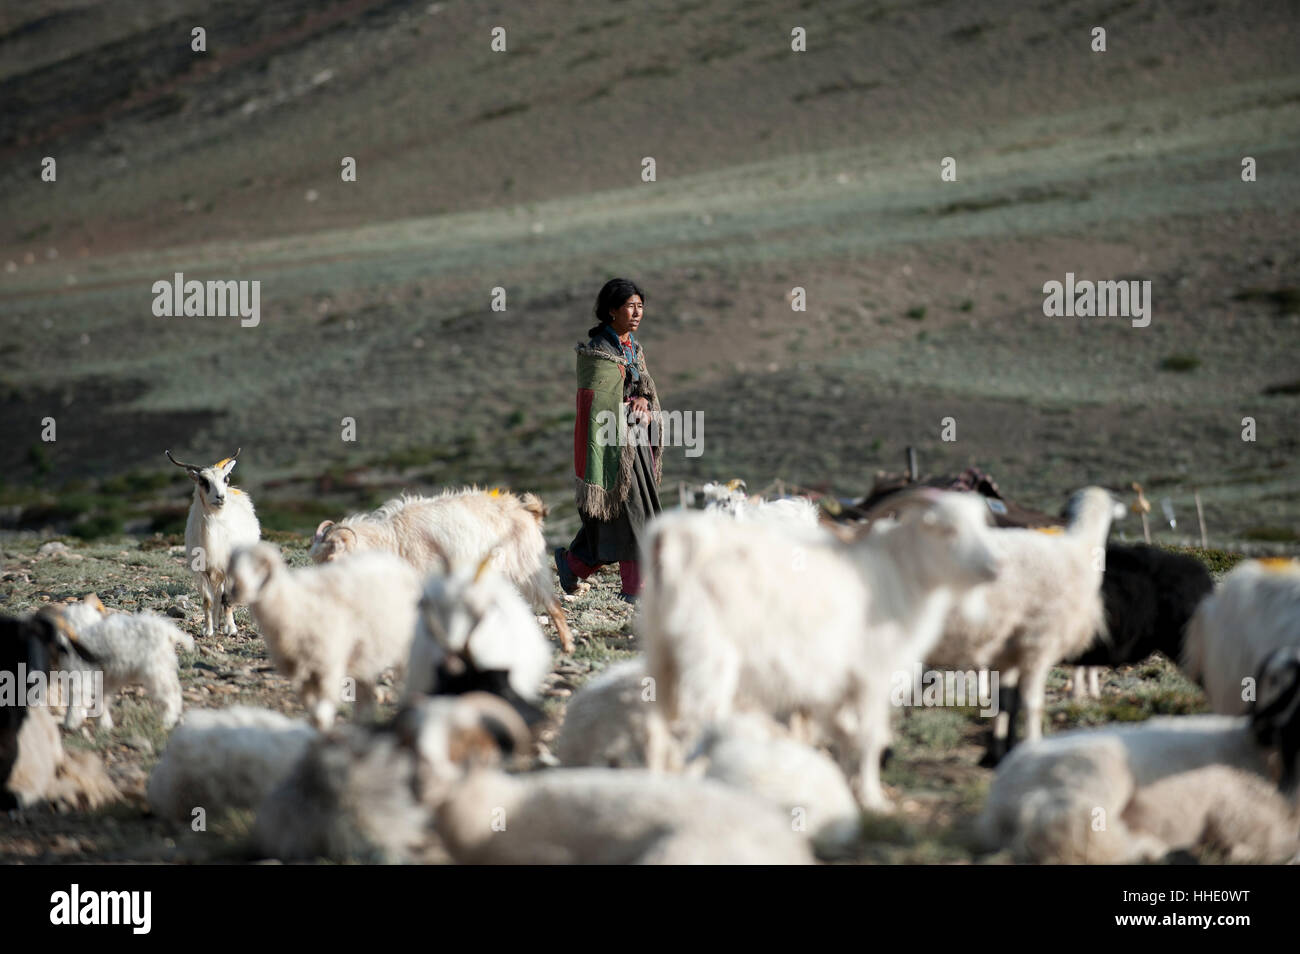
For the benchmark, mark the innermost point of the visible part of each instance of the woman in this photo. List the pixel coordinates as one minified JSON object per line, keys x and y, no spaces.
{"x":617,"y":469}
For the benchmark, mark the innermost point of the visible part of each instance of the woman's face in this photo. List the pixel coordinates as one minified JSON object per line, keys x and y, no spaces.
{"x":627,"y":317}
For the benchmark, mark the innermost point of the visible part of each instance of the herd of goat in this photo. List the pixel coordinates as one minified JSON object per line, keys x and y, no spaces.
{"x":752,"y":727}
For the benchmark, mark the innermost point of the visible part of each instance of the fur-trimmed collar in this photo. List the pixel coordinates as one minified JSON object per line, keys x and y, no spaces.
{"x":597,"y":352}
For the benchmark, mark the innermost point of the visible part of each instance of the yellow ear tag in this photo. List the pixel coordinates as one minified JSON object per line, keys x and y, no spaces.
{"x":734,"y":484}
{"x":1050,"y":531}
{"x":483,"y":564}
{"x":221,"y":463}
{"x":494,"y":492}
{"x":1278,"y":564}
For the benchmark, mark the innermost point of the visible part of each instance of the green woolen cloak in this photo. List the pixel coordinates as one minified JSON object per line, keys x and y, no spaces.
{"x":602,"y":453}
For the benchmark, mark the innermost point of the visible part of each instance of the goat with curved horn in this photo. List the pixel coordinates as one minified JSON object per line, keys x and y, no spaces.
{"x":180,"y":463}
{"x":221,"y":518}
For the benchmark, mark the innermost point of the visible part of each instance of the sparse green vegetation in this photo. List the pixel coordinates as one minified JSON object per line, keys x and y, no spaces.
{"x":1268,"y":534}
{"x":1180,"y":362}
{"x":1286,"y":298}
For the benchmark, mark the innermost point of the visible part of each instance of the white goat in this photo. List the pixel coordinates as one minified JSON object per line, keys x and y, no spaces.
{"x":1045,"y":607}
{"x":745,"y":615}
{"x":221,"y":519}
{"x":1131,"y":794}
{"x":456,"y":527}
{"x":378,"y":795}
{"x":1255,"y":610}
{"x":796,"y":513}
{"x":581,"y":816}
{"x":749,"y":751}
{"x":350,"y":797}
{"x":476,"y":614}
{"x":354,"y":617}
{"x":224,"y":759}
{"x":359,"y":793}
{"x":130,"y":650}
{"x":611,"y":817}
{"x":606,"y":721}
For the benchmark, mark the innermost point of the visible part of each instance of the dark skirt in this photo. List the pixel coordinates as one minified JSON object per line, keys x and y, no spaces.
{"x":617,"y":540}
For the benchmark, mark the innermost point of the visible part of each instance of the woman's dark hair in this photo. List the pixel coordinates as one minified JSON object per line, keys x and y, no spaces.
{"x":615,"y":293}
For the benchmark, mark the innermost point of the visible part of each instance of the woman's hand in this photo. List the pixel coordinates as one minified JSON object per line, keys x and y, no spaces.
{"x":640,"y":409}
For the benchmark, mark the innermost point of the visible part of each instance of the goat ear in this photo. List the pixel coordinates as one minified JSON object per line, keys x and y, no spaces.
{"x":226,"y":466}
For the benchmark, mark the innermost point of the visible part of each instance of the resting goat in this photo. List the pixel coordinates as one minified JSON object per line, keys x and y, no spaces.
{"x":1136,"y":793}
{"x":34,"y":765}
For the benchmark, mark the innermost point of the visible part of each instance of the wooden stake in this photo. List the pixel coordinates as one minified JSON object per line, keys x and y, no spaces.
{"x":1143,"y":507}
{"x":1200,"y":518}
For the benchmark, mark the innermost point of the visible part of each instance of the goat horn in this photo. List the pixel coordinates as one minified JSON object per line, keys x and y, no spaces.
{"x":484,"y":563}
{"x":178,"y":463}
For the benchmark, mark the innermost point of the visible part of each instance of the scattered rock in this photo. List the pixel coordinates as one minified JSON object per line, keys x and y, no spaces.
{"x":139,"y":743}
{"x":53,"y":548}
{"x":176,"y":611}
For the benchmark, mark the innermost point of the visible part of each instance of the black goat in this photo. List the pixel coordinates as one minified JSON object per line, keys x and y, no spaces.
{"x":1149,"y":595}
